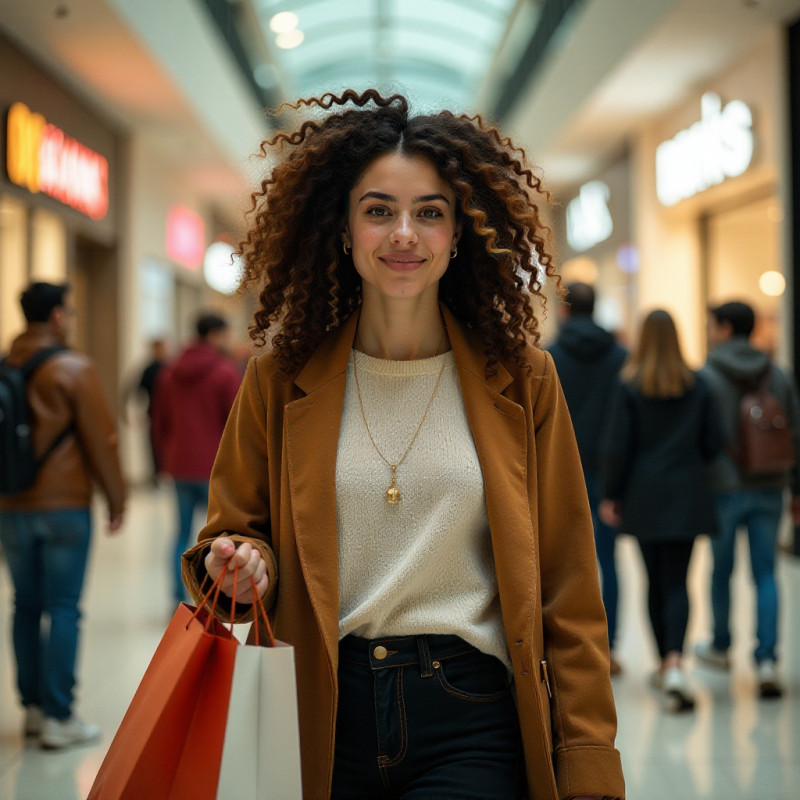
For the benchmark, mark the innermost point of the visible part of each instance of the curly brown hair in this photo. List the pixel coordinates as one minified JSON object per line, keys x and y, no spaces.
{"x":292,"y":251}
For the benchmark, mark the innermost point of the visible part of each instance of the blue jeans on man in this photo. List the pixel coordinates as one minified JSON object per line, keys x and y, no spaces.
{"x":190,"y":494}
{"x":47,"y":553}
{"x":759,"y":511}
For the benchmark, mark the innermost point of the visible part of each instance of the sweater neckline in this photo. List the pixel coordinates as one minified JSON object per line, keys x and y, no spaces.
{"x":386,"y":366}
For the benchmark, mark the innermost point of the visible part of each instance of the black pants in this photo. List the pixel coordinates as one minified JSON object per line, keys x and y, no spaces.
{"x":425,"y":717}
{"x":667,"y":565}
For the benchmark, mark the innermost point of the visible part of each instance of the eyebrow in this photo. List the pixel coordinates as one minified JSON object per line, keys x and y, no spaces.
{"x":425,"y":198}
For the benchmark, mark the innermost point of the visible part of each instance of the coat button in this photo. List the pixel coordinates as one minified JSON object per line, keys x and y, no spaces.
{"x":380,"y":652}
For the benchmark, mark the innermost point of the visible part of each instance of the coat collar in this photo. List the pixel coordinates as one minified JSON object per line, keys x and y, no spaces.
{"x":329,"y":360}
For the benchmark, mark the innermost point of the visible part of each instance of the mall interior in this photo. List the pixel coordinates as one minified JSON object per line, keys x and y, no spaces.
{"x":668,"y":133}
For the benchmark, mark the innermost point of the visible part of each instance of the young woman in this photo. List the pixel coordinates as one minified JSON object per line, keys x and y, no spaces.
{"x":399,"y":474}
{"x":662,"y":435}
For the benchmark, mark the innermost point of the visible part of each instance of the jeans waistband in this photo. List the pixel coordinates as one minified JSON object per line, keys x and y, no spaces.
{"x":390,"y":652}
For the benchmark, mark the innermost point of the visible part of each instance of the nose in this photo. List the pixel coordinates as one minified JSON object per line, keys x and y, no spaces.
{"x":403,"y":233}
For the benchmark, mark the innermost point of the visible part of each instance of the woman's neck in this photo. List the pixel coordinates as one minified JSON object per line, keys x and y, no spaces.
{"x":400,"y":329}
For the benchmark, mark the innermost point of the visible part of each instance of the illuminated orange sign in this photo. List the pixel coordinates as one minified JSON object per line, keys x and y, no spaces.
{"x":41,"y":158}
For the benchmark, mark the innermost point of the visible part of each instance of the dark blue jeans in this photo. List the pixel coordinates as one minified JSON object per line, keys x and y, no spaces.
{"x":46,"y":553}
{"x":759,"y":512}
{"x":190,"y":494}
{"x":432,"y":718}
{"x":605,"y":538}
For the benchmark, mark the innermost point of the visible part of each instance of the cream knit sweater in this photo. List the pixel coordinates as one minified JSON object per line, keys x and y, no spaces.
{"x":426,"y":564}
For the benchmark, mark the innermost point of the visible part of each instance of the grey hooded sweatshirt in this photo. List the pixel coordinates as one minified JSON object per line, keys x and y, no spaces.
{"x":728,"y":364}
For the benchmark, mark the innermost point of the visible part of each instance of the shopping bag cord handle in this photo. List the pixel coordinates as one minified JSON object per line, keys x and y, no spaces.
{"x":258,"y":605}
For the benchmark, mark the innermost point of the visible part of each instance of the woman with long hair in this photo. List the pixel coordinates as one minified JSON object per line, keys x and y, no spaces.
{"x":663,"y":433}
{"x":399,"y":474}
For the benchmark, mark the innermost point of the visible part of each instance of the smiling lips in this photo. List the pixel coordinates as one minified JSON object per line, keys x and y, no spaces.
{"x":402,"y":262}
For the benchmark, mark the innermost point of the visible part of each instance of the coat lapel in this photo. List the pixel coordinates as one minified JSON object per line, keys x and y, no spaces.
{"x":500,"y":432}
{"x":312,"y":438}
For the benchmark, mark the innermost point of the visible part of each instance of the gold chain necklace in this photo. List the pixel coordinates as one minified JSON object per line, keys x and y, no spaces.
{"x":393,"y":495}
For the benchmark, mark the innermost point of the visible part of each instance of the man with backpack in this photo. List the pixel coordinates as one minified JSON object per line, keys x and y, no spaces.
{"x":57,"y":435}
{"x":760,"y":414}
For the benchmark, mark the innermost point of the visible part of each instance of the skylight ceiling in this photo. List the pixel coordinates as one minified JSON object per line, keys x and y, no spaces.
{"x":436,"y":51}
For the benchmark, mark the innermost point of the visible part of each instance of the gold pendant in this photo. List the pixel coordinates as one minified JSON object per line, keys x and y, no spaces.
{"x":393,"y":493}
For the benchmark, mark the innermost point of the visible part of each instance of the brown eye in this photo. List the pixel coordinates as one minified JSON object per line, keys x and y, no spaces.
{"x":431,"y":213}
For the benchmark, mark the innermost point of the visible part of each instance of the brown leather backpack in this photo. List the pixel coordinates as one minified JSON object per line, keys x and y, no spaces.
{"x":766,"y":437}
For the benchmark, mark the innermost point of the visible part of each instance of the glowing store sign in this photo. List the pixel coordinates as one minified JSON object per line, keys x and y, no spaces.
{"x":717,"y":147}
{"x":588,"y":218}
{"x":41,"y":158}
{"x":185,"y":240}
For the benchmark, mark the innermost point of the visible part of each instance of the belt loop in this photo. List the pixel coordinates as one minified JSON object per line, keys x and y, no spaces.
{"x":425,"y":666}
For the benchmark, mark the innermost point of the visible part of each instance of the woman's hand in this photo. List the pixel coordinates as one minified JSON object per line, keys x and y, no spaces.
{"x":224,"y":556}
{"x":609,"y":512}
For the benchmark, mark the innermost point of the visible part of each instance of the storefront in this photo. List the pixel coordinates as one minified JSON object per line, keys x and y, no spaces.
{"x":59,"y":199}
{"x":593,"y":231}
{"x":710,"y":193}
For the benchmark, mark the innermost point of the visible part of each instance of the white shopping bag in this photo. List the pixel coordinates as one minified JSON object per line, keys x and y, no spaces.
{"x":261,"y":753}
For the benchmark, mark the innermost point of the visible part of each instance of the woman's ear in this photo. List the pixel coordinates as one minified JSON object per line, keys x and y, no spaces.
{"x":346,"y":236}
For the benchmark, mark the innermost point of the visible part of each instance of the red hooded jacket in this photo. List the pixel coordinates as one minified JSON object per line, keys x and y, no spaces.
{"x":193,"y":397}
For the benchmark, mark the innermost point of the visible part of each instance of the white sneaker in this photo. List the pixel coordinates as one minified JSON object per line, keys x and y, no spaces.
{"x":63,"y":733}
{"x":769,"y":684}
{"x":709,"y":656}
{"x":676,"y":688}
{"x":34,"y":721}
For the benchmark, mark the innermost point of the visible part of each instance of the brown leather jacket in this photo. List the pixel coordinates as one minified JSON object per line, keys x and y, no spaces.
{"x":66,"y":389}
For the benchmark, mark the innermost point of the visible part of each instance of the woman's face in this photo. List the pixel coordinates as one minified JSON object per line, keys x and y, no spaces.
{"x":401,"y":226}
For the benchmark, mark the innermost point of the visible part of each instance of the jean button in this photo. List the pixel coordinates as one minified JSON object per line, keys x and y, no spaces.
{"x":380,"y":652}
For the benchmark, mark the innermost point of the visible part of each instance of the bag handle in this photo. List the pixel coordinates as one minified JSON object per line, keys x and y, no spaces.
{"x":257,"y":605}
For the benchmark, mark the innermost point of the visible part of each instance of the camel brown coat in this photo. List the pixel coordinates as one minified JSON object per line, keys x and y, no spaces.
{"x":273,"y":485}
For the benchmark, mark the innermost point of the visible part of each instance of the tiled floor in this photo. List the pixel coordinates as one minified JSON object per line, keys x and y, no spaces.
{"x":733,"y":747}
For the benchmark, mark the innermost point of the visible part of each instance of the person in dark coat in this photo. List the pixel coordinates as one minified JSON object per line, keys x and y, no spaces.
{"x":145,"y":388}
{"x":588,"y":361}
{"x":663,"y":433}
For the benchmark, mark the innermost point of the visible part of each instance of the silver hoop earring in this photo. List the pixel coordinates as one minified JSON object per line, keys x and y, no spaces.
{"x":344,"y":247}
{"x":454,"y":253}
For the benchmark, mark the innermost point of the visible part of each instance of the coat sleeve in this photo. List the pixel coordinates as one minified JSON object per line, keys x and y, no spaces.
{"x":238,"y":502}
{"x":617,"y":445}
{"x":575,"y":631}
{"x":711,"y":433}
{"x":98,"y":437}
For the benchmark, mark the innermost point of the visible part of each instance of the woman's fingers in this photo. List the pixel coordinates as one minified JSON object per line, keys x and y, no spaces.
{"x":224,"y":555}
{"x":222,"y":548}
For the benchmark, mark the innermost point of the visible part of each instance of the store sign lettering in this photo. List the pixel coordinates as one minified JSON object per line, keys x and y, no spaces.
{"x":589,"y":221}
{"x":41,"y":158}
{"x":719,"y":146}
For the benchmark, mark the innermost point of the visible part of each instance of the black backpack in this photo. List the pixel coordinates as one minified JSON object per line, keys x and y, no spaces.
{"x":18,"y":464}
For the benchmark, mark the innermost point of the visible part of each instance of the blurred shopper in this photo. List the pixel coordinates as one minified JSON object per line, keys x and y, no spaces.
{"x":193,"y":398}
{"x":399,"y":474}
{"x":588,"y":361}
{"x":146,"y":387}
{"x":746,"y":501}
{"x":45,"y":529}
{"x":662,"y":435}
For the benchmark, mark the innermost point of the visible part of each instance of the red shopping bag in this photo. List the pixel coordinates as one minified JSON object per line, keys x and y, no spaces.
{"x":169,"y":744}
